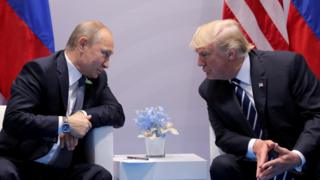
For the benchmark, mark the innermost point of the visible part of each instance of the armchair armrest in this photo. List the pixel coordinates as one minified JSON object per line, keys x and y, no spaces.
{"x":99,"y":147}
{"x":2,"y":111}
{"x":214,"y":149}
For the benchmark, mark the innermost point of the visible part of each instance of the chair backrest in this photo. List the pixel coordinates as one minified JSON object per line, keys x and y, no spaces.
{"x":2,"y":111}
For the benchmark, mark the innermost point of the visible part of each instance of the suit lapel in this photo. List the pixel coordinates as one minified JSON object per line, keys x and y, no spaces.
{"x":259,"y":84}
{"x":63,"y":78}
{"x":228,"y":103}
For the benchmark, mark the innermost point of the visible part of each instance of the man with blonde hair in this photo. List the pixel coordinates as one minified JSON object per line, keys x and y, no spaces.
{"x":55,"y":101}
{"x":264,"y":106}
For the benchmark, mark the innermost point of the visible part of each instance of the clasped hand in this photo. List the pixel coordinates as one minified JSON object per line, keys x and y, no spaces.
{"x":80,"y":125}
{"x":267,"y":169}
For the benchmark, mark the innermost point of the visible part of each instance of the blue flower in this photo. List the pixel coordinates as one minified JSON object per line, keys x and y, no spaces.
{"x":153,"y":122}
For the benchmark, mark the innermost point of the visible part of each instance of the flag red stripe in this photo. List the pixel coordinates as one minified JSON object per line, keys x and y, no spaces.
{"x":267,"y":26}
{"x":227,"y":14}
{"x":18,"y":44}
{"x":303,"y":40}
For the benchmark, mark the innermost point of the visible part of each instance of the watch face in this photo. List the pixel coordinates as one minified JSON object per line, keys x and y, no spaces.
{"x":66,"y":128}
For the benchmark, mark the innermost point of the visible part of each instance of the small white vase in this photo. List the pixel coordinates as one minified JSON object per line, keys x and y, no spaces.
{"x":155,"y":147}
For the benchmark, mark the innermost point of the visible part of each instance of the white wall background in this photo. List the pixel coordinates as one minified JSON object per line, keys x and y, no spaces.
{"x":152,"y":64}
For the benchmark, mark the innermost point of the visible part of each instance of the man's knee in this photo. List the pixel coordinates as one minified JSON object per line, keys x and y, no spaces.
{"x":102,"y":173}
{"x":90,"y":171}
{"x":8,"y":170}
{"x":223,"y":166}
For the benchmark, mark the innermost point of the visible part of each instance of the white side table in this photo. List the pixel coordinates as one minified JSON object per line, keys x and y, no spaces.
{"x":171,"y":167}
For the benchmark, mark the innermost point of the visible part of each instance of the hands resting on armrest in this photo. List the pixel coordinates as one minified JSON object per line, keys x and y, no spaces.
{"x":80,"y":125}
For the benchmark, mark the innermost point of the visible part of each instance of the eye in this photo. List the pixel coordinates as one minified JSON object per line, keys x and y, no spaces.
{"x":204,"y":54}
{"x":106,"y":53}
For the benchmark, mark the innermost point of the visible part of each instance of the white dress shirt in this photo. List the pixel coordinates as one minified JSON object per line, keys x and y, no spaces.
{"x":74,"y":76}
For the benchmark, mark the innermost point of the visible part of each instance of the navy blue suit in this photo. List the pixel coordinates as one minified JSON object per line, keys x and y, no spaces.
{"x":38,"y":96}
{"x":287,"y":99}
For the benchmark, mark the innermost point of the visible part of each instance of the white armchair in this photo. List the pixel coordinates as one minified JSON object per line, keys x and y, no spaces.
{"x":214,"y":149}
{"x":99,"y":147}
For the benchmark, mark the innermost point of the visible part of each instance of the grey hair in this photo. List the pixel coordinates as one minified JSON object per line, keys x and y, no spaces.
{"x":89,"y":29}
{"x":225,"y":34}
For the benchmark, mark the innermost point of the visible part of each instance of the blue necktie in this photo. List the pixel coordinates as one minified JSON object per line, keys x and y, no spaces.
{"x":248,"y":109}
{"x":79,"y":95}
{"x":251,"y":115}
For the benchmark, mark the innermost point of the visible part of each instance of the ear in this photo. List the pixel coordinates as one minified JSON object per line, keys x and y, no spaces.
{"x":232,"y":54}
{"x":82,"y":43}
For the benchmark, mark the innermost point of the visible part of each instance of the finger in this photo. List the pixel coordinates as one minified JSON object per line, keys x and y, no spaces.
{"x":73,"y":143}
{"x":281,"y":150}
{"x":268,"y":173}
{"x":89,"y":117}
{"x":68,"y":142}
{"x":90,"y":126}
{"x":76,"y":142}
{"x":270,"y":163}
{"x":62,"y":140}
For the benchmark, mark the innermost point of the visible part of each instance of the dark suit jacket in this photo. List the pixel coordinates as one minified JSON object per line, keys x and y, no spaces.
{"x":38,"y":96}
{"x":288,"y":105}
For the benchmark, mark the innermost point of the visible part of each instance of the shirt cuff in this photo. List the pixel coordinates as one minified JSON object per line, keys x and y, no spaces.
{"x":302,"y":158}
{"x":250,"y":154}
{"x":60,"y":125}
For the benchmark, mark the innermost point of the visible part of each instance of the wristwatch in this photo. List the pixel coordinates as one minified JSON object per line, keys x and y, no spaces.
{"x":65,"y":126}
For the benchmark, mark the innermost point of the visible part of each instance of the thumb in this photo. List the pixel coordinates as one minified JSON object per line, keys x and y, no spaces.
{"x":89,"y":117}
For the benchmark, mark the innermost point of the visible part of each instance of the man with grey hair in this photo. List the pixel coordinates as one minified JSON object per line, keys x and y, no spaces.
{"x":263,"y":106}
{"x":55,"y":101}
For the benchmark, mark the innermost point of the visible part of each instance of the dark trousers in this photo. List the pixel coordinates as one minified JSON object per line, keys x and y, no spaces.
{"x":30,"y":170}
{"x":228,"y":166}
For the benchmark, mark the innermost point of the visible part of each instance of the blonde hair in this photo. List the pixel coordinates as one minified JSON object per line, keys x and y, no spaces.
{"x":225,"y":34}
{"x":89,"y":29}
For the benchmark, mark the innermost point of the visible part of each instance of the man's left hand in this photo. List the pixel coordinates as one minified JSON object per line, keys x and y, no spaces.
{"x":69,"y":141}
{"x":286,"y":160}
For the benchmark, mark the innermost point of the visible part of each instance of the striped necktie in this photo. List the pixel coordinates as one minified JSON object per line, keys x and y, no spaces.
{"x":248,"y":108}
{"x":251,"y":115}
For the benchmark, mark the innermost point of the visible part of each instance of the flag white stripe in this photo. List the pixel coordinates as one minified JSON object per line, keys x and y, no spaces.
{"x":276,"y":13}
{"x":249,"y":23}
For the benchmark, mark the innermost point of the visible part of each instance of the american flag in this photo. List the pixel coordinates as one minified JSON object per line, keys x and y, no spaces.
{"x":280,"y":25}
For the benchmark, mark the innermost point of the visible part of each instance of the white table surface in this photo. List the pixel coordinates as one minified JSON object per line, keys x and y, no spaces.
{"x":171,"y":167}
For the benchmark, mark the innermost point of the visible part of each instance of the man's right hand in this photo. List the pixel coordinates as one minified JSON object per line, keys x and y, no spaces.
{"x":261,"y":148}
{"x":80,"y":124}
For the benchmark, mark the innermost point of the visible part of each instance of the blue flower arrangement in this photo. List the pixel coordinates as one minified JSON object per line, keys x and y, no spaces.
{"x":153,"y":122}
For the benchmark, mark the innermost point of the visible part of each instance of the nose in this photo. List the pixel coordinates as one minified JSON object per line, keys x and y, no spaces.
{"x":201,"y":61}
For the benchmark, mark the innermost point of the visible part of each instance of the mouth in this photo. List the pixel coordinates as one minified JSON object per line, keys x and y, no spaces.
{"x":204,"y":69}
{"x":100,"y":71}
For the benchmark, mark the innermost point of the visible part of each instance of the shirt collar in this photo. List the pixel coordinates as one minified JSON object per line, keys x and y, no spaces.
{"x":244,"y":72}
{"x":74,"y":74}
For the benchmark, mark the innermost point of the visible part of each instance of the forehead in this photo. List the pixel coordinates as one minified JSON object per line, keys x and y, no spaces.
{"x":104,"y":39}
